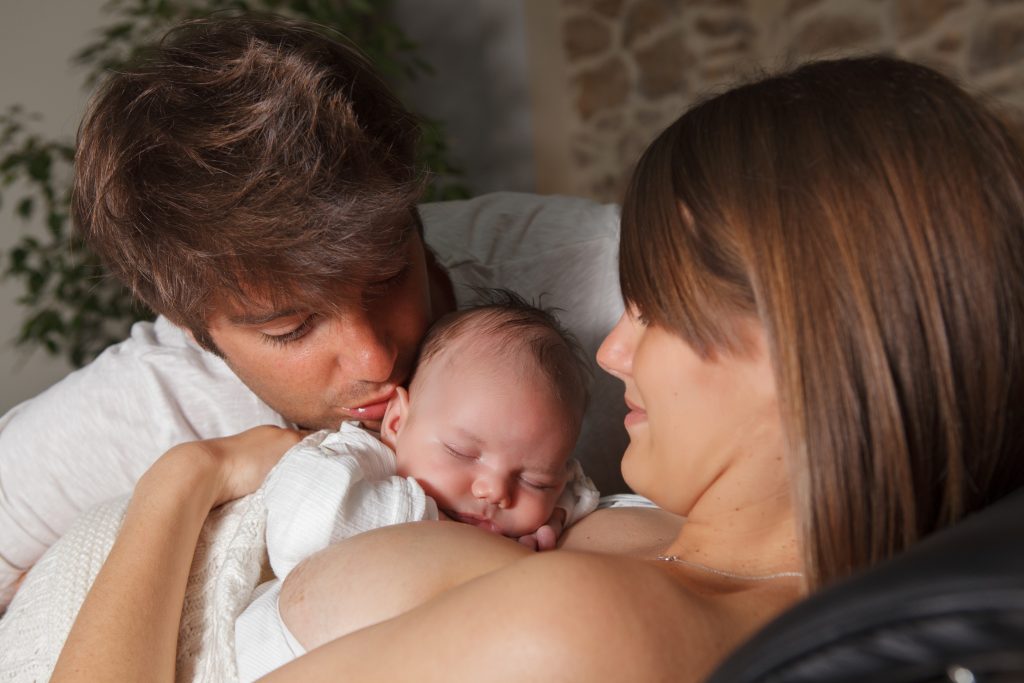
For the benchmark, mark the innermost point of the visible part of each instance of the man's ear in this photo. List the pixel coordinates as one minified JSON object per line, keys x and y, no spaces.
{"x":394,"y":417}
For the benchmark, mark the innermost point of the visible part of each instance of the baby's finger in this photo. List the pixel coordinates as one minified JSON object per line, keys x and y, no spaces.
{"x":530,"y":541}
{"x":546,"y":538}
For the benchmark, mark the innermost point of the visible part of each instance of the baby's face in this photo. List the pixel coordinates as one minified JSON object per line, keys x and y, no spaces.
{"x":488,"y":444}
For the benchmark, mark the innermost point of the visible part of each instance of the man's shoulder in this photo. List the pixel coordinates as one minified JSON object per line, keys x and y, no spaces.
{"x":152,"y":348}
{"x":156,"y":375}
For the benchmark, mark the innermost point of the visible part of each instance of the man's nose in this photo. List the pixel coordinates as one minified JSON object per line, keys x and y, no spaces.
{"x":493,"y":488}
{"x":365,"y":350}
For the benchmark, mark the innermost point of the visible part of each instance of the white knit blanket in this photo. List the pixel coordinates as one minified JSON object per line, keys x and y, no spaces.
{"x":225,"y":570}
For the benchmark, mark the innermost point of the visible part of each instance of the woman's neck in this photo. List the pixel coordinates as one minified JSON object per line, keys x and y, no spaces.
{"x":741,"y":526}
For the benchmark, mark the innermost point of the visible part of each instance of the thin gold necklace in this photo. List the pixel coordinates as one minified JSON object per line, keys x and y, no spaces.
{"x":730,"y":575}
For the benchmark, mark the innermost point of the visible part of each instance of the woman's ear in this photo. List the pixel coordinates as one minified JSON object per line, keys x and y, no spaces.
{"x":394,"y":417}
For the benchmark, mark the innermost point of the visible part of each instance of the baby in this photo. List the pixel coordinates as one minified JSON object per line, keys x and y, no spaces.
{"x":483,"y":436}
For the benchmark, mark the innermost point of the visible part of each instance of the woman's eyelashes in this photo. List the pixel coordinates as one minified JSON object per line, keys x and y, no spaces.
{"x":294,"y":334}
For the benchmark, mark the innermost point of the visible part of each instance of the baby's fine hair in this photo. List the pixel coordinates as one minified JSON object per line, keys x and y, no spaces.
{"x":515,"y":327}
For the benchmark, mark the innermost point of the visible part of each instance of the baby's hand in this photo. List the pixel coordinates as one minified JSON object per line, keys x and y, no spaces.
{"x":546,"y":537}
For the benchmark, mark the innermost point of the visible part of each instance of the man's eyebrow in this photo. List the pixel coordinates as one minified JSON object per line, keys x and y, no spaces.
{"x":264,"y":317}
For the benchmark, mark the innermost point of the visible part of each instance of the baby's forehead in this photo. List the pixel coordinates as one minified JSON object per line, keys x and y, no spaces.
{"x":487,"y":353}
{"x":500,"y":348}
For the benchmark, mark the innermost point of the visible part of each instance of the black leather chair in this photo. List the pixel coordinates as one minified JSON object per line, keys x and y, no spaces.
{"x":949,"y":609}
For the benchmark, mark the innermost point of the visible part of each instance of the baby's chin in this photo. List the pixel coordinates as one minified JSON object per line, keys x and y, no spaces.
{"x":490,"y":526}
{"x":474,"y":520}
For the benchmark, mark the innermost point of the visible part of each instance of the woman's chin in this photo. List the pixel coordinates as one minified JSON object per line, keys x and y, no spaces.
{"x":632,"y":471}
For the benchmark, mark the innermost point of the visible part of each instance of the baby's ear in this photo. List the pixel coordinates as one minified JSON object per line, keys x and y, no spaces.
{"x":394,"y":417}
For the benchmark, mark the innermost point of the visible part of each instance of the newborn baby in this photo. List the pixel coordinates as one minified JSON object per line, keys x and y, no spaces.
{"x":483,"y":436}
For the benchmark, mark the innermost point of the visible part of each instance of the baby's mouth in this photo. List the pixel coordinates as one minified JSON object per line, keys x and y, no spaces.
{"x":474,"y":520}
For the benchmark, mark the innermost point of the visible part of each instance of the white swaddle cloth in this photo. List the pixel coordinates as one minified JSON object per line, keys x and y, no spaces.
{"x":226,"y":567}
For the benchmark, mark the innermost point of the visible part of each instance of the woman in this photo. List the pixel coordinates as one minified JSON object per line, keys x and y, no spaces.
{"x":822,"y":354}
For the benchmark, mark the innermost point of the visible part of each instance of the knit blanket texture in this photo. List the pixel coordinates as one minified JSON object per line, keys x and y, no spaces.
{"x":227,"y":566}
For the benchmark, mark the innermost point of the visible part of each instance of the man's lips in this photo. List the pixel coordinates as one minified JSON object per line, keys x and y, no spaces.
{"x":372,"y":411}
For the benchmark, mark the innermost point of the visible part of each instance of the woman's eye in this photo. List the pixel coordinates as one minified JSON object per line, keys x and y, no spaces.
{"x":295,"y":334}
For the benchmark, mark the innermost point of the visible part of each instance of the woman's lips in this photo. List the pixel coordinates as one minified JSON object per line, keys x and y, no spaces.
{"x":635,"y":415}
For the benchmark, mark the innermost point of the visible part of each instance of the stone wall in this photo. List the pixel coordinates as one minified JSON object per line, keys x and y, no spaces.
{"x":634,"y":65}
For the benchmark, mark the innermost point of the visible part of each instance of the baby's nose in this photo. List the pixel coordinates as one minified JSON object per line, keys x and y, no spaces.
{"x":493,"y":489}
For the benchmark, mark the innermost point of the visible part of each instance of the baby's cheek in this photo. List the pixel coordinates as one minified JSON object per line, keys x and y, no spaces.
{"x":536,"y":512}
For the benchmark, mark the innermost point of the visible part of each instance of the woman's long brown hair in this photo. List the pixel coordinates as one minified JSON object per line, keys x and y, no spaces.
{"x":871,"y":214}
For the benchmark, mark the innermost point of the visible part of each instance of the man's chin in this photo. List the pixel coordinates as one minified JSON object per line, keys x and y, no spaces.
{"x":372,"y":425}
{"x":330,"y":422}
{"x":333,"y":423}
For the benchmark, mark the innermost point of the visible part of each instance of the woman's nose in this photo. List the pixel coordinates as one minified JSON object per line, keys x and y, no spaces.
{"x":615,"y":355}
{"x":493,"y":489}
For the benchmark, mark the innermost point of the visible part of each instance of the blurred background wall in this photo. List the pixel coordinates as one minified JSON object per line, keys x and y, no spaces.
{"x":548,"y":95}
{"x":634,"y":65}
{"x":37,"y":39}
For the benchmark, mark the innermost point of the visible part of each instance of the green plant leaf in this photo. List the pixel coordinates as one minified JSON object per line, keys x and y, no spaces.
{"x":55,"y":222}
{"x":25,"y":207}
{"x":18,"y":257}
{"x":39,"y":166}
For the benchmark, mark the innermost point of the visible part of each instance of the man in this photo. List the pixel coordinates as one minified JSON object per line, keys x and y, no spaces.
{"x":255,"y":184}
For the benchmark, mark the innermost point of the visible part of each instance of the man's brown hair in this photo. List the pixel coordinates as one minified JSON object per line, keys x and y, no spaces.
{"x":246,"y":158}
{"x":871,"y":214}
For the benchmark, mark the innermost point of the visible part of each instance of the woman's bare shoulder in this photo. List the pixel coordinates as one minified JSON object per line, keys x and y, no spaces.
{"x":633,"y":619}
